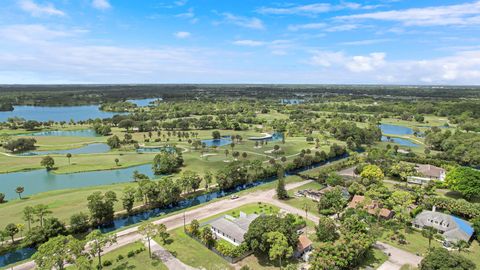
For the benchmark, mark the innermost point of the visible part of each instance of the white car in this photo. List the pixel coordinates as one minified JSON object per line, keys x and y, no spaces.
{"x":233,"y":197}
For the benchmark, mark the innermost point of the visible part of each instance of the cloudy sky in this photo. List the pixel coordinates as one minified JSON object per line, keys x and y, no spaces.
{"x":243,"y":41}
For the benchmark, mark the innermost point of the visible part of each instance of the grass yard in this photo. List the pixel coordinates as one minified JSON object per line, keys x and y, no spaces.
{"x":193,"y":253}
{"x":140,"y":261}
{"x":374,"y":259}
{"x":300,"y":202}
{"x":418,"y":244}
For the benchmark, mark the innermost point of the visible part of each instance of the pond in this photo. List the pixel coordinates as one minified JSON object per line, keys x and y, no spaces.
{"x":41,"y":180}
{"x":395,"y":130}
{"x":143,"y":102}
{"x":121,"y":222}
{"x":64,"y":113}
{"x":93,"y":148}
{"x":225,"y":140}
{"x":400,"y":141}
{"x":65,"y":133}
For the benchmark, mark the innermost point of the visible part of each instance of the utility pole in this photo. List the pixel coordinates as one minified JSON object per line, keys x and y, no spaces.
{"x":184,"y":225}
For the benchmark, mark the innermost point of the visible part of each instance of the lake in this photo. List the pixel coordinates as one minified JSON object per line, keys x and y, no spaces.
{"x":225,"y":140}
{"x":41,"y":180}
{"x":64,"y":113}
{"x":65,"y":133}
{"x":143,"y":102}
{"x":395,"y":130}
{"x":57,"y":114}
{"x":400,"y":141}
{"x":93,"y":148}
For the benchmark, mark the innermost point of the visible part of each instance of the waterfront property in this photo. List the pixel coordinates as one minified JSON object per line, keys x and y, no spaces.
{"x":373,"y":208}
{"x":315,"y":195}
{"x":452,"y":228}
{"x":232,"y":229}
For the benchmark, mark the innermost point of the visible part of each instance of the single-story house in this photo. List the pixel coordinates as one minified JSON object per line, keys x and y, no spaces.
{"x":304,"y":246}
{"x":374,"y":208}
{"x":451,"y":227}
{"x":232,"y":229}
{"x":430,"y":171}
{"x":418,"y":180}
{"x":315,"y":195}
{"x":348,"y":172}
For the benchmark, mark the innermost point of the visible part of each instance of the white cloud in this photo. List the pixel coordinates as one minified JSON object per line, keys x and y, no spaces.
{"x":101,"y":4}
{"x":190,"y":15}
{"x":33,"y":33}
{"x":365,"y":42}
{"x":461,"y":14}
{"x":181,"y":2}
{"x":311,"y":9}
{"x":247,"y":22}
{"x":182,"y":34}
{"x":307,"y":26}
{"x":249,"y":43}
{"x":366,"y":63}
{"x":40,"y":10}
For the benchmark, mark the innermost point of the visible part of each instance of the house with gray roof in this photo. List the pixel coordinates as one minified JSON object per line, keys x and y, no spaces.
{"x":451,"y":227}
{"x":232,"y":229}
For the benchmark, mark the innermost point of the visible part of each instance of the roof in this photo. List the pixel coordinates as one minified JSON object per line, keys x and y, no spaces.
{"x":303,"y":243}
{"x":350,"y":172}
{"x":373,"y":208}
{"x":453,"y":228}
{"x":234,"y":228}
{"x":430,"y":170}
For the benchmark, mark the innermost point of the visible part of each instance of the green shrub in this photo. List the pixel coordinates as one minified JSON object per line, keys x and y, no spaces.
{"x":130,"y":254}
{"x":107,"y":263}
{"x":120,"y":257}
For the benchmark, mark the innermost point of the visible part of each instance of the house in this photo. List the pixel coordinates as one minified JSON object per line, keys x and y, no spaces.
{"x":348,"y":173}
{"x":451,"y":227}
{"x":417,"y":180}
{"x":304,"y":246}
{"x":232,"y":229}
{"x":374,"y":208}
{"x":430,"y":171}
{"x":315,"y":195}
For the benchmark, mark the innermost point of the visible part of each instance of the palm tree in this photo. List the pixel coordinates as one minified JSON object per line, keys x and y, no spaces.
{"x":226,"y":153}
{"x":41,"y":211}
{"x":461,"y":245}
{"x":69,"y":156}
{"x":117,"y":161}
{"x":19,"y":191}
{"x":429,"y":232}
{"x":244,"y":155}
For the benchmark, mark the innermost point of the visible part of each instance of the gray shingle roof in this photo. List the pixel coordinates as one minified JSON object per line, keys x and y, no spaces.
{"x":234,"y":229}
{"x":453,"y":228}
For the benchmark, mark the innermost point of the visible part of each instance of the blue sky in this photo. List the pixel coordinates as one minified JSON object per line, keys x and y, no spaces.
{"x":244,"y":41}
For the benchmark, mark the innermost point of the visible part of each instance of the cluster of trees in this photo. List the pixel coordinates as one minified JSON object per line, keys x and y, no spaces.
{"x":103,"y":130}
{"x":20,"y":145}
{"x":120,"y":106}
{"x":464,"y":180}
{"x":458,"y":146}
{"x":167,"y":161}
{"x":273,"y":236}
{"x":353,"y":135}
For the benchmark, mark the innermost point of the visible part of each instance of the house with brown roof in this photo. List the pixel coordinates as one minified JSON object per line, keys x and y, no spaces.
{"x":304,"y":245}
{"x":373,"y":208}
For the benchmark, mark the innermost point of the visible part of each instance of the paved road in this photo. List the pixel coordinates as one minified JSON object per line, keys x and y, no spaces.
{"x":397,"y":257}
{"x":130,"y":235}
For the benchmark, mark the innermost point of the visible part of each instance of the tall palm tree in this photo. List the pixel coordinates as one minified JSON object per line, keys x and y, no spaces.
{"x":429,"y":232}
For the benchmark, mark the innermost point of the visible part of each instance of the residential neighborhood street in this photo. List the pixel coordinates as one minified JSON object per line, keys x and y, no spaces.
{"x":397,"y":259}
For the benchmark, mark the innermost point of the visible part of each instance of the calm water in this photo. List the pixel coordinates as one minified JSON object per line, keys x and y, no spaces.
{"x":395,"y":130}
{"x":93,"y":148}
{"x":143,"y":102}
{"x":400,"y":141}
{"x":225,"y":140}
{"x":37,"y":181}
{"x":26,"y":253}
{"x":65,"y":113}
{"x":68,"y":133}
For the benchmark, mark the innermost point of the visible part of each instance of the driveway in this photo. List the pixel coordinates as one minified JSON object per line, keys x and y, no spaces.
{"x":397,"y":258}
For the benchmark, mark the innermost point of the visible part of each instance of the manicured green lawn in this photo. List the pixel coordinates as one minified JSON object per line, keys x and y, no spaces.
{"x":418,"y":244}
{"x":63,"y":203}
{"x":140,"y":261}
{"x":192,"y":252}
